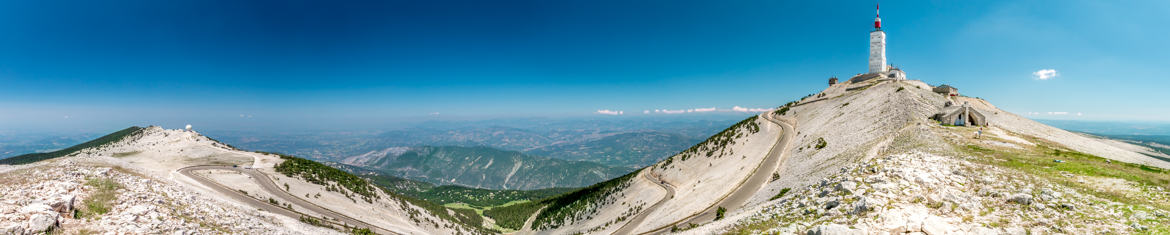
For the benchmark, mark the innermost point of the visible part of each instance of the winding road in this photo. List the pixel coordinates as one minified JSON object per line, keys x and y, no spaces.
{"x":732,"y":201}
{"x":267,"y":185}
{"x":637,"y":220}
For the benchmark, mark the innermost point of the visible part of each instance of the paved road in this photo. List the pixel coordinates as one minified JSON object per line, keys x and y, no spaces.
{"x":267,"y":184}
{"x":747,"y":189}
{"x":633,"y":223}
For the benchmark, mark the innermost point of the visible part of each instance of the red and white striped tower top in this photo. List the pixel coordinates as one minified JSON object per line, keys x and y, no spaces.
{"x":877,"y":22}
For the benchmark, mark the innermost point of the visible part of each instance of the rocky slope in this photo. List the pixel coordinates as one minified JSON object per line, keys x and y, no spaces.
{"x":866,"y":159}
{"x":484,"y":167}
{"x":133,"y":186}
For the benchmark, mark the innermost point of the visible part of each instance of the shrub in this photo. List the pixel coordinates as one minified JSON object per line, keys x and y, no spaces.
{"x":362,"y":231}
{"x":781,"y":194}
{"x":719,"y":213}
{"x":900,"y":89}
{"x":821,"y":143}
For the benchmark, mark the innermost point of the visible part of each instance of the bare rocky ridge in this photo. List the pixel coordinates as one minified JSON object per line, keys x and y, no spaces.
{"x":866,"y":159}
{"x":152,"y":197}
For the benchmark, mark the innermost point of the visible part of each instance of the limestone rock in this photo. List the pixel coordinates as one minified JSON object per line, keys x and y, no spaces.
{"x":832,"y":229}
{"x":1023,"y":199}
{"x":41,"y":222}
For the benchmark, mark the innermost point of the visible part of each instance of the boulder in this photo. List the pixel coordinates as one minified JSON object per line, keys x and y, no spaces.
{"x":12,"y":229}
{"x":935,"y":225}
{"x":860,"y":206}
{"x":64,"y":205}
{"x":1138,"y":227}
{"x":832,"y":204}
{"x":1023,"y":199}
{"x":41,"y":222}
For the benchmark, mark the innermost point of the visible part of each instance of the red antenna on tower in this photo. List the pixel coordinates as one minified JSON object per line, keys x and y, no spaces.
{"x":877,"y":22}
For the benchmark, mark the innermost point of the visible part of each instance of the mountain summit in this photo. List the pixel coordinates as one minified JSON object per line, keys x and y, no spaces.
{"x":871,"y":156}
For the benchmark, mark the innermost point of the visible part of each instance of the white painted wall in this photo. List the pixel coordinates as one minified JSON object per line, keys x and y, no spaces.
{"x":877,"y":52}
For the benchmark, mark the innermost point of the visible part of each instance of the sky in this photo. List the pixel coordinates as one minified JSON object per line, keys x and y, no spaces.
{"x":67,"y":65}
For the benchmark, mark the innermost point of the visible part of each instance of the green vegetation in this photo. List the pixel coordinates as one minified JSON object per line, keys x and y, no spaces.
{"x":784,"y":108}
{"x":512,"y":216}
{"x":474,"y":197}
{"x":465,"y":217}
{"x":469,"y":166}
{"x":332,"y":178}
{"x":821,"y":143}
{"x":362,"y":231}
{"x":719,"y":213}
{"x":900,"y":89}
{"x":575,"y":205}
{"x":313,"y":221}
{"x":718,"y":142}
{"x":1039,"y":161}
{"x":482,"y":198}
{"x":98,"y":202}
{"x":579,"y":203}
{"x":634,"y":149}
{"x":101,"y":141}
{"x":781,"y":194}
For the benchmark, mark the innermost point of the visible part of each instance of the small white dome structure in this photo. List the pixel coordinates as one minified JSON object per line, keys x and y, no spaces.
{"x":188,"y":127}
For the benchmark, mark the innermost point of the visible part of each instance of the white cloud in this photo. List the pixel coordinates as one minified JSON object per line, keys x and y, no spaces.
{"x":705,"y":110}
{"x":1057,"y":113}
{"x":434,"y":114}
{"x":749,"y":110}
{"x":609,"y":112}
{"x":1045,"y":74}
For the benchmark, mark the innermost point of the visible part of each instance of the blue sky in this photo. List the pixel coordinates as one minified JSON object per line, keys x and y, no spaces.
{"x":111,"y":64}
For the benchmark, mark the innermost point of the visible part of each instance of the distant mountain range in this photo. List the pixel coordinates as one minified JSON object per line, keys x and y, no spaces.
{"x":633,"y":149}
{"x":483,"y":167}
{"x":618,"y":142}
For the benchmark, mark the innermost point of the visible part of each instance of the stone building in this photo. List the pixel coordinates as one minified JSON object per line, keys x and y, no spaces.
{"x":960,"y":116}
{"x":946,"y":90}
{"x":833,"y":80}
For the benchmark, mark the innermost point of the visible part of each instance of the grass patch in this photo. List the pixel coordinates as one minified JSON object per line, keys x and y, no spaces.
{"x":99,"y":202}
{"x":1040,"y":161}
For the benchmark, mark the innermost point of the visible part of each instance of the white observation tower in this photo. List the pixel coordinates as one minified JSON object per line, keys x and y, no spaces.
{"x":877,"y":47}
